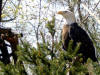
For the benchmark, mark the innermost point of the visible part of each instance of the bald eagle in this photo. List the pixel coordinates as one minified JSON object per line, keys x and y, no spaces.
{"x":71,"y":31}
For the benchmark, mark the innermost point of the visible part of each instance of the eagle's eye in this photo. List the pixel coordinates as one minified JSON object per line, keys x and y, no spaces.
{"x":65,"y":11}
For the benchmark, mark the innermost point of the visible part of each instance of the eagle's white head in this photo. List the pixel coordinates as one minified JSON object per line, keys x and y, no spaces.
{"x":69,"y":16}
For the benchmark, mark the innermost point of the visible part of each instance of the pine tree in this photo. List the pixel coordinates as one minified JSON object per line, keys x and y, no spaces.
{"x":45,"y":60}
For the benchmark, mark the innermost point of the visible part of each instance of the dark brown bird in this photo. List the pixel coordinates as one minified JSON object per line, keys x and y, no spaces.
{"x":71,"y":31}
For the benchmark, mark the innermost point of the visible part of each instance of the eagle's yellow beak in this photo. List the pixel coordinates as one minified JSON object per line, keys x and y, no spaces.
{"x":60,"y":12}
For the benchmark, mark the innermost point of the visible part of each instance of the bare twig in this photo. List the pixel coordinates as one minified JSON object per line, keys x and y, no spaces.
{"x":39,"y":22}
{"x":92,"y":14}
{"x":8,"y":20}
{"x":79,"y":11}
{"x":4,"y":4}
{"x":88,"y":13}
{"x":15,"y":10}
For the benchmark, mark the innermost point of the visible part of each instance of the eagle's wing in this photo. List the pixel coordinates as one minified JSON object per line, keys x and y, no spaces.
{"x":65,"y":36}
{"x":86,"y":48}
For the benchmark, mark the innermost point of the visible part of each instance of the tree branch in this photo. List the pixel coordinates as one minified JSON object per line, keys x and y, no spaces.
{"x":88,"y":13}
{"x":0,"y":10}
{"x":4,"y":4}
{"x":8,"y":20}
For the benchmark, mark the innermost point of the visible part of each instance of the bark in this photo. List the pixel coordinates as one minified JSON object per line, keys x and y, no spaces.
{"x":0,"y":10}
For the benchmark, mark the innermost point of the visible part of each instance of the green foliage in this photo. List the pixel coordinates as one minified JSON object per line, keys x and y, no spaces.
{"x":43,"y":64}
{"x":45,"y":60}
{"x":11,"y":69}
{"x":51,"y":26}
{"x":49,"y":59}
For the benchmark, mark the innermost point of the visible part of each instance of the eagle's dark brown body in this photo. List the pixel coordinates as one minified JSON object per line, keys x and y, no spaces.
{"x":77,"y":34}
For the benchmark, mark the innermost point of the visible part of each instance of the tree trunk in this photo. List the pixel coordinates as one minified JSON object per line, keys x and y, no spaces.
{"x":0,"y":9}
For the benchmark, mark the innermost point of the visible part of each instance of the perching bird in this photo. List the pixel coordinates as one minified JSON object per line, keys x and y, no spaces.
{"x":71,"y":31}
